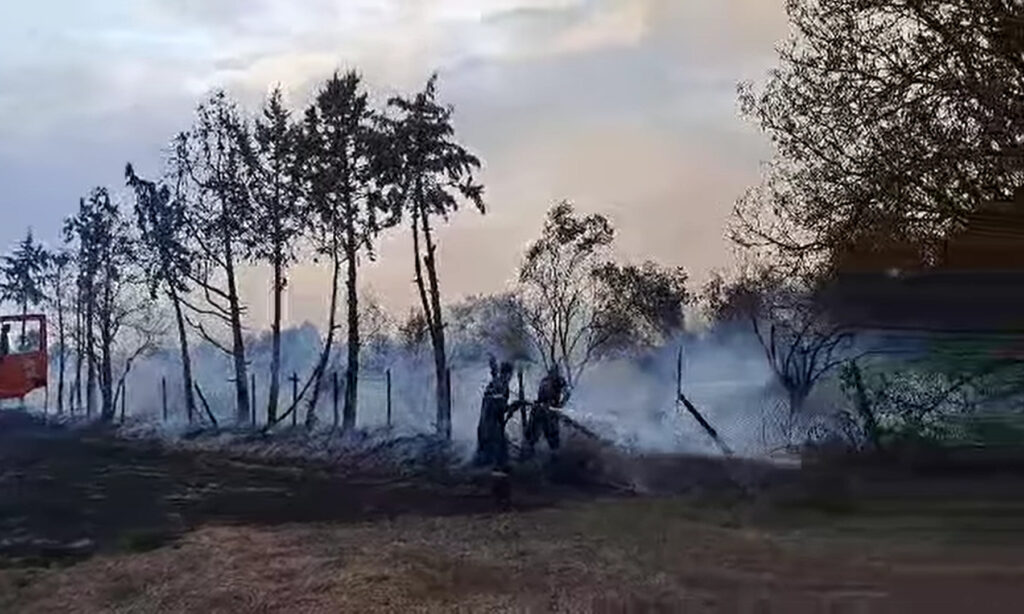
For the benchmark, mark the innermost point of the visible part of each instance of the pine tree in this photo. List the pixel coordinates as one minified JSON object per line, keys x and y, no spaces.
{"x":428,"y":173}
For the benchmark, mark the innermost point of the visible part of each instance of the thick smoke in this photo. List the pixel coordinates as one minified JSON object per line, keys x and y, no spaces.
{"x":629,"y":400}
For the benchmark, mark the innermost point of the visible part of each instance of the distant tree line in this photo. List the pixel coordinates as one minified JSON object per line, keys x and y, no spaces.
{"x":280,"y":187}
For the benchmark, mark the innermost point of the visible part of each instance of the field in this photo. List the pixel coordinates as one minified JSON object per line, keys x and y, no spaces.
{"x":90,"y":523}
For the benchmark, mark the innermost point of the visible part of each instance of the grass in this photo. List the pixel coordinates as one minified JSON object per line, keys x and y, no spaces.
{"x":642,"y":554}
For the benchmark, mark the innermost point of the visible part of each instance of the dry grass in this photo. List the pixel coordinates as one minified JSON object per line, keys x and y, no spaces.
{"x":635,"y":555}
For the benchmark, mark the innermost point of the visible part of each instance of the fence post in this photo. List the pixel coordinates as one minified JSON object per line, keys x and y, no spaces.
{"x":252,"y":395}
{"x":295,"y":396}
{"x":163,"y":396}
{"x":334,"y":381}
{"x":389,"y":396}
{"x":679,"y":373}
{"x":124,"y":398}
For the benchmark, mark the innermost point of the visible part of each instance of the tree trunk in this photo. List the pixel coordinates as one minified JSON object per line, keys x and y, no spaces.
{"x":436,"y":322}
{"x":797,"y":398}
{"x":275,"y":351}
{"x":237,"y":342}
{"x":186,"y":360}
{"x":62,"y":351}
{"x":864,"y":409}
{"x":90,"y":357}
{"x":76,"y":400}
{"x":325,"y":355}
{"x":108,"y":409}
{"x":352,"y":367}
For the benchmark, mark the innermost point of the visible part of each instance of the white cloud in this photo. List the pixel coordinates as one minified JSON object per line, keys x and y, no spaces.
{"x":628,"y":106}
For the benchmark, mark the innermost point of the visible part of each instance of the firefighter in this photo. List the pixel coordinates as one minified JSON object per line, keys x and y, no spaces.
{"x":552,"y":394}
{"x":492,"y":444}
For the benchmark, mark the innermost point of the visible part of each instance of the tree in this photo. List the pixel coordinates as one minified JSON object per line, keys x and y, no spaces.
{"x":890,"y":118}
{"x":105,"y":240}
{"x":272,"y":166}
{"x":212,"y":157}
{"x":642,"y":304}
{"x":428,"y":173}
{"x":488,"y":325}
{"x":22,"y":273}
{"x":80,"y":232}
{"x":166,"y":256}
{"x":56,"y":281}
{"x":560,"y":293}
{"x":341,"y":145}
{"x":801,"y":343}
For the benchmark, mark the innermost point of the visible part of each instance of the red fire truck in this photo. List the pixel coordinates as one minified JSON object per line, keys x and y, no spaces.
{"x":24,"y":365}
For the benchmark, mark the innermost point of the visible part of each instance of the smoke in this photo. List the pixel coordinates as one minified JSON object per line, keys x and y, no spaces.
{"x":629,"y":401}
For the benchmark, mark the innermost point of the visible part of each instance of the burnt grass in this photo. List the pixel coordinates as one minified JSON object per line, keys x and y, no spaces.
{"x":67,"y":493}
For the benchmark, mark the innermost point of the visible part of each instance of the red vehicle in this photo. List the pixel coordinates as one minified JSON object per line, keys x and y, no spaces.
{"x":24,"y":367}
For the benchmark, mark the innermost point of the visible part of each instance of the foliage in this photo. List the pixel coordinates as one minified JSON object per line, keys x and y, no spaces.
{"x":272,"y":169}
{"x":486,"y":325}
{"x":643,"y":304}
{"x":579,"y":306}
{"x":926,"y":400}
{"x":890,"y":118}
{"x":160,"y":217}
{"x":22,"y":272}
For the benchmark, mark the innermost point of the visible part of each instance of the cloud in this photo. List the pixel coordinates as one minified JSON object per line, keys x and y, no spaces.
{"x":626,"y":106}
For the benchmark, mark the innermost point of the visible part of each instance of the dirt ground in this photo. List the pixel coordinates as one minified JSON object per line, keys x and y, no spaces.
{"x":91,"y":524}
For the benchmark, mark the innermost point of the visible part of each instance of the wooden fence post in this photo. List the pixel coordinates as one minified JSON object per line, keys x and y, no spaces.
{"x":679,"y":372}
{"x":163,"y":396}
{"x":389,"y":396}
{"x":295,"y":395}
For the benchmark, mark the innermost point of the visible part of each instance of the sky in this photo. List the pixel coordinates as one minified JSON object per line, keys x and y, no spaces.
{"x":625,"y":107}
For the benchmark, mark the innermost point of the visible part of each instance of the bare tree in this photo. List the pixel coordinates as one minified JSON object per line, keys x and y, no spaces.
{"x":429,"y":172}
{"x":801,"y":342}
{"x":141,"y":329}
{"x":560,"y":293}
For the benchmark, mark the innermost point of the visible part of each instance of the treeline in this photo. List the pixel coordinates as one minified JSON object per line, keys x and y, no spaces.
{"x":278,"y":187}
{"x":891,"y":122}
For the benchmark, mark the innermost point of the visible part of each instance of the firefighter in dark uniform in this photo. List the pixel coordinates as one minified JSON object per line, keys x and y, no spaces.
{"x":492,"y":443}
{"x":552,"y":394}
